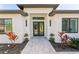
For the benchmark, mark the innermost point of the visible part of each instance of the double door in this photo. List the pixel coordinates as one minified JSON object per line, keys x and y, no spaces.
{"x":38,"y":28}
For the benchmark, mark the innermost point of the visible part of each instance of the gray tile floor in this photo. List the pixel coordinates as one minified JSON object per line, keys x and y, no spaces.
{"x":38,"y":45}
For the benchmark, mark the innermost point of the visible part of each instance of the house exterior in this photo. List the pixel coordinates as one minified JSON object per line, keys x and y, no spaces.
{"x":38,"y":20}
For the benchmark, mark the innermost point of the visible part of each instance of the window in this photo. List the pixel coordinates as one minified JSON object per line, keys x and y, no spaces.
{"x":5,"y":25}
{"x":70,"y":25}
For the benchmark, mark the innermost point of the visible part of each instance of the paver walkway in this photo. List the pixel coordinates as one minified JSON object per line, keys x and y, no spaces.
{"x":38,"y":45}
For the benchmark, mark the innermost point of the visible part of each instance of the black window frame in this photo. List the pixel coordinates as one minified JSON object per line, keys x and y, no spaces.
{"x":38,"y":18}
{"x":69,"y":19}
{"x":4,"y":24}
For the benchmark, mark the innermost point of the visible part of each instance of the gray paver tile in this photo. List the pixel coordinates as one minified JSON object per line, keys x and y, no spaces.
{"x":38,"y":45}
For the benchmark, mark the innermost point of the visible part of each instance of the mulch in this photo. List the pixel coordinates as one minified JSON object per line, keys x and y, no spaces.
{"x":4,"y":49}
{"x":57,"y":47}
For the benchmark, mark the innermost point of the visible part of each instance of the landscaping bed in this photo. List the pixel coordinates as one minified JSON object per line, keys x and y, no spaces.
{"x":58,"y":48}
{"x":17,"y":50}
{"x":72,"y":44}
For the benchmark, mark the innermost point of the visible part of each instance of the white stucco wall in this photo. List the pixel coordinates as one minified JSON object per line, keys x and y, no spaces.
{"x":57,"y":25}
{"x":17,"y":27}
{"x":56,"y":22}
{"x":37,"y":12}
{"x":20,"y":28}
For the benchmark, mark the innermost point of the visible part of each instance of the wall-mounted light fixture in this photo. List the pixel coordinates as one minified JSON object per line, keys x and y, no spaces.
{"x":26,"y":22}
{"x":50,"y":22}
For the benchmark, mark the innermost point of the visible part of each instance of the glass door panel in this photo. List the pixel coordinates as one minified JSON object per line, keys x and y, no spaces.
{"x":38,"y":28}
{"x":35,"y":28}
{"x":41,"y":28}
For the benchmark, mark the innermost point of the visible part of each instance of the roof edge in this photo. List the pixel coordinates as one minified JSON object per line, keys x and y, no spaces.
{"x":64,"y":12}
{"x":21,"y":6}
{"x":10,"y":11}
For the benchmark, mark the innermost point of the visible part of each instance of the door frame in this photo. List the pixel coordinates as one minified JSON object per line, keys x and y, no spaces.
{"x":38,"y":28}
{"x":31,"y":22}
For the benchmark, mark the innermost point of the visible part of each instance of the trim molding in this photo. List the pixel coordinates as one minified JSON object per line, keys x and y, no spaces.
{"x":10,"y":11}
{"x":13,"y":12}
{"x":64,"y":12}
{"x":21,"y":6}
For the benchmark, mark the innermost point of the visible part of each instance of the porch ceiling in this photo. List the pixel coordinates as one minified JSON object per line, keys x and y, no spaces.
{"x":54,"y":6}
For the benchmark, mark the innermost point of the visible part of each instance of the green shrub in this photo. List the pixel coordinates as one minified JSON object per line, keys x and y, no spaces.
{"x":26,"y":36}
{"x":74,"y":42}
{"x":51,"y":34}
{"x":52,"y":38}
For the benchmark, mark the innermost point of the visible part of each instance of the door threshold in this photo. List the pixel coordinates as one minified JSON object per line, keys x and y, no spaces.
{"x":38,"y":36}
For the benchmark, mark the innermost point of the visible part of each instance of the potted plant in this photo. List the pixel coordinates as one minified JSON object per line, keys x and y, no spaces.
{"x":26,"y":37}
{"x":52,"y":39}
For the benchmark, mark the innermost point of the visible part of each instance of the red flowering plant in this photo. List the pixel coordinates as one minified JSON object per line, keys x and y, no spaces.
{"x":64,"y":37}
{"x":12,"y":37}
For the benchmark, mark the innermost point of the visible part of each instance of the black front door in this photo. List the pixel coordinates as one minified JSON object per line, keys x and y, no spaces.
{"x":38,"y":28}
